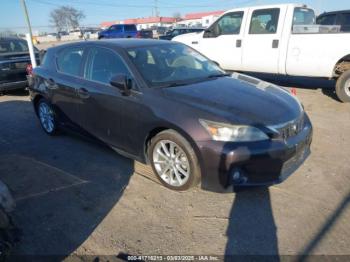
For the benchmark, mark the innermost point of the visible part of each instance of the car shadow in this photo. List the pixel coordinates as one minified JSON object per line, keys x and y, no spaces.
{"x":63,"y":186}
{"x":327,"y":86}
{"x":252,"y":232}
{"x":17,"y":92}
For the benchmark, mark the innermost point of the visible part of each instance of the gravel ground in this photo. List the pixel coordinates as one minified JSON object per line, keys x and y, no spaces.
{"x":78,"y":197}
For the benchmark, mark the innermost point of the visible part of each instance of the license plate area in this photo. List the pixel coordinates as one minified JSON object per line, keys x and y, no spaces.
{"x":21,"y":65}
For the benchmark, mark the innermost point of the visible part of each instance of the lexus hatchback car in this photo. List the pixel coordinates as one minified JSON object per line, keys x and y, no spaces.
{"x":164,"y":104}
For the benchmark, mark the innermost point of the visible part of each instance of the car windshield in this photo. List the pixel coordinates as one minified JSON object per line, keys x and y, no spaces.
{"x":172,"y":64}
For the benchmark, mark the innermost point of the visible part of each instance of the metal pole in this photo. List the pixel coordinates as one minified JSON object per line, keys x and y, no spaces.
{"x":30,"y":38}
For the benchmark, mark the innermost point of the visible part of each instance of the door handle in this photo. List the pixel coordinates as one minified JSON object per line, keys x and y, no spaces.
{"x":195,"y":43}
{"x":275,"y":43}
{"x":238,"y":43}
{"x":83,"y":93}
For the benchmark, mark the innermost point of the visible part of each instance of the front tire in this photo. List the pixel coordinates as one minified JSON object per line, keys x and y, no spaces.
{"x":174,"y":161}
{"x":47,"y":117}
{"x":342,"y":88}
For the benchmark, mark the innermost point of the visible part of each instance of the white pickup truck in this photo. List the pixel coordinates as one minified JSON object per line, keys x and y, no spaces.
{"x":278,"y":39}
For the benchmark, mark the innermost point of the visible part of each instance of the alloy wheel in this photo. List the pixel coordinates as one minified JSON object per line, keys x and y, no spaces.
{"x":347,"y":87}
{"x":171,"y":163}
{"x":46,"y":117}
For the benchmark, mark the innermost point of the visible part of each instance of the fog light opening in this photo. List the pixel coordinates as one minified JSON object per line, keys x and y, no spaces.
{"x":237,"y":177}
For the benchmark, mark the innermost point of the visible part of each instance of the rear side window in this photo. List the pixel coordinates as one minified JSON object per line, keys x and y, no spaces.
{"x":13,"y":46}
{"x":326,"y":20}
{"x":69,"y":60}
{"x":102,"y":64}
{"x":116,"y":27}
{"x":303,"y":16}
{"x":264,"y":21}
{"x":130,"y":28}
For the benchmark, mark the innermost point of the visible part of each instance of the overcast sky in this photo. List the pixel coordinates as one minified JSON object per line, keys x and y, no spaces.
{"x":96,"y":11}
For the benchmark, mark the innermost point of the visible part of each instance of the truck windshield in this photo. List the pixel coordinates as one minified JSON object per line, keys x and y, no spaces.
{"x":304,"y":16}
{"x":172,"y":64}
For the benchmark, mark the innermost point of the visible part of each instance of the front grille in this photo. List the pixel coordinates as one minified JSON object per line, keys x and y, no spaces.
{"x":291,"y":128}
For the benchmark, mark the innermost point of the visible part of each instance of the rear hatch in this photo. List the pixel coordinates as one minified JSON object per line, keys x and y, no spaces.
{"x":13,"y":67}
{"x":14,"y":58}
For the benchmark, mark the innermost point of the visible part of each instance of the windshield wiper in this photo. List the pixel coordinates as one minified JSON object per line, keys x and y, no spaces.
{"x":173,"y":85}
{"x":219,"y":75}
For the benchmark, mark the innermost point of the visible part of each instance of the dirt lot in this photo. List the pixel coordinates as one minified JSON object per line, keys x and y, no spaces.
{"x":77,"y":197}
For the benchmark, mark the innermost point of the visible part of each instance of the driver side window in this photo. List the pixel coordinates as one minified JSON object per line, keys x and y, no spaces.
{"x":229,"y":24}
{"x":102,"y":64}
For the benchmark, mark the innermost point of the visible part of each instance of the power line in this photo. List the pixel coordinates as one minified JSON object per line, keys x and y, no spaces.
{"x":156,"y":6}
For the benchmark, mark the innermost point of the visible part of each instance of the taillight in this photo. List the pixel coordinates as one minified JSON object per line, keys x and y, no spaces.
{"x":29,"y":69}
{"x":293,"y":91}
{"x":138,"y":35}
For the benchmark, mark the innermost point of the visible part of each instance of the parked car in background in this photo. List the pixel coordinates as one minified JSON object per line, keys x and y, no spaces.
{"x":277,"y":39}
{"x":145,"y":33}
{"x":341,"y":18}
{"x":158,"y":31}
{"x":14,"y":59}
{"x":165,"y":104}
{"x":180,"y":31}
{"x":119,"y":31}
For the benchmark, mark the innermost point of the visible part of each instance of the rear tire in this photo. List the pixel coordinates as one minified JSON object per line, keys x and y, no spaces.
{"x":342,"y":88}
{"x":47,"y":117}
{"x":176,"y":166}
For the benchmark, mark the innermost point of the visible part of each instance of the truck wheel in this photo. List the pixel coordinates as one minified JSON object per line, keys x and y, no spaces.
{"x":342,"y":88}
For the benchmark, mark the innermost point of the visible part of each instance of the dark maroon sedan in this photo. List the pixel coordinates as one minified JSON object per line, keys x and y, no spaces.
{"x":165,"y":104}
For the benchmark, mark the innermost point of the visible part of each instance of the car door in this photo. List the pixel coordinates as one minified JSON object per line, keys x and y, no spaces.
{"x":262,"y":40}
{"x":222,"y":42}
{"x":105,"y":111}
{"x":63,"y":84}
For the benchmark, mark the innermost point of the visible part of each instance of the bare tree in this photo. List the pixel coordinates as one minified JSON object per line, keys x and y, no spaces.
{"x":177,"y":16}
{"x":66,"y":17}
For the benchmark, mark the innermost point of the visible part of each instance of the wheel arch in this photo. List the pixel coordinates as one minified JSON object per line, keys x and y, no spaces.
{"x":160,"y":128}
{"x":341,"y":66}
{"x":36,"y":100}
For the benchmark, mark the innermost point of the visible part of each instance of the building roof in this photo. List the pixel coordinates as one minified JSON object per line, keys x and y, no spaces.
{"x":144,"y":20}
{"x":191,"y":16}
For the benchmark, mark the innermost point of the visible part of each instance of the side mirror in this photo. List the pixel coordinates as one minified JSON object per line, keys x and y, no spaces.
{"x":121,"y":82}
{"x":207,"y":33}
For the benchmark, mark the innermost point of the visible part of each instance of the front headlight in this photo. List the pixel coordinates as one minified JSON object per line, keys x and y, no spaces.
{"x":234,"y":133}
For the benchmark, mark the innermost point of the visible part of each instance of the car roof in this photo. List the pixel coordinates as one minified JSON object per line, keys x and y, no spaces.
{"x":335,"y":12}
{"x":266,"y":7}
{"x":9,"y":38}
{"x":123,"y":24}
{"x":121,"y":43}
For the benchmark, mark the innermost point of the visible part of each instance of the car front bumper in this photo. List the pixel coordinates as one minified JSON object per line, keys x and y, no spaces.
{"x":255,"y":163}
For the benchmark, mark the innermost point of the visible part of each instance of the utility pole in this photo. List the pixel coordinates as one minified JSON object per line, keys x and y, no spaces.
{"x":30,"y":37}
{"x":156,"y":8}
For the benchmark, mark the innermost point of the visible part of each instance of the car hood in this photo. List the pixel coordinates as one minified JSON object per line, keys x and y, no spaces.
{"x":187,"y":38}
{"x":239,"y":99}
